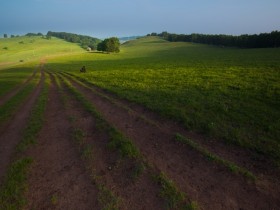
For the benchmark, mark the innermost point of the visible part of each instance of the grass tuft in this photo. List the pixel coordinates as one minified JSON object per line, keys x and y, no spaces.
{"x":12,"y":191}
{"x":174,"y":198}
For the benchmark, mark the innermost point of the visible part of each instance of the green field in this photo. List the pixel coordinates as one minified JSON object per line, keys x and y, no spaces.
{"x":225,"y":96}
{"x":228,"y":93}
{"x":24,"y":49}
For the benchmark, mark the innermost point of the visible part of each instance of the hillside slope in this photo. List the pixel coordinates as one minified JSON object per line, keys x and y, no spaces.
{"x":24,"y":49}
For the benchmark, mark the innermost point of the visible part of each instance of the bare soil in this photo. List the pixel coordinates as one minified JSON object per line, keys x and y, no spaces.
{"x":113,"y":171}
{"x":58,"y":179}
{"x":213,"y":186}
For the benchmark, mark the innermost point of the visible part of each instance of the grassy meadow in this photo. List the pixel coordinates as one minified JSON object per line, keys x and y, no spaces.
{"x":227,"y":93}
{"x":25,"y":49}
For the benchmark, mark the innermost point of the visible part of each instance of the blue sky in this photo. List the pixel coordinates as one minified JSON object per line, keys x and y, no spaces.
{"x":105,"y":18}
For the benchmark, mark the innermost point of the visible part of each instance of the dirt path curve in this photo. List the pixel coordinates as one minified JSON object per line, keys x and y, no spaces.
{"x":212,"y":185}
{"x":11,"y":133}
{"x":14,"y":91}
{"x":58,"y":177}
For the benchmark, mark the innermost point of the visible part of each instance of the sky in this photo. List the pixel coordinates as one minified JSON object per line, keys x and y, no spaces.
{"x":107,"y":18}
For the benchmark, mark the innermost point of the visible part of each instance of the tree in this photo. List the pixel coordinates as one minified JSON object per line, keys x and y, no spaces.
{"x":5,"y":36}
{"x":109,"y":45}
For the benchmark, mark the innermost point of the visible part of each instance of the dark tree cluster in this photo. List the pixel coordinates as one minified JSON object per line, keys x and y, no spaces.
{"x":263,"y":40}
{"x":34,"y":34}
{"x":109,"y":45}
{"x":84,"y":41}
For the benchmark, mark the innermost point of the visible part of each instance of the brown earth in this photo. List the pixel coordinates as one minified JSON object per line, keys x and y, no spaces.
{"x":61,"y":179}
{"x":115,"y":172}
{"x":58,"y":179}
{"x":11,"y":132}
{"x":212,"y":185}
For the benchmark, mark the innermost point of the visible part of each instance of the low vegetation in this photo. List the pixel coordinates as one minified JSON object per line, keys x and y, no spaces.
{"x":230,"y":94}
{"x":219,"y":92}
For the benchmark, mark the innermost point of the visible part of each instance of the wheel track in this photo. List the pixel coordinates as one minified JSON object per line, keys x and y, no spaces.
{"x":259,"y":165}
{"x":58,"y":179}
{"x":115,"y":172}
{"x":210,"y":184}
{"x":11,"y":132}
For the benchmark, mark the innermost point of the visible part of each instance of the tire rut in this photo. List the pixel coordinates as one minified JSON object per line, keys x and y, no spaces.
{"x":58,"y":178}
{"x":213,"y":186}
{"x":136,"y":191}
{"x":11,"y":132}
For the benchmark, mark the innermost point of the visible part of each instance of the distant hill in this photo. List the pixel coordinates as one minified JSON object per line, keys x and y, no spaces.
{"x":31,"y":48}
{"x":128,"y":38}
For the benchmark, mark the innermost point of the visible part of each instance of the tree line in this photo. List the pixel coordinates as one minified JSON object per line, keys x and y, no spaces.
{"x":85,"y":41}
{"x":263,"y":40}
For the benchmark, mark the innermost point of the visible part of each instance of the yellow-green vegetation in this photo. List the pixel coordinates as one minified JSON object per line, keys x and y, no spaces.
{"x":23,"y":49}
{"x":229,"y":93}
{"x":9,"y":108}
{"x":11,"y":77}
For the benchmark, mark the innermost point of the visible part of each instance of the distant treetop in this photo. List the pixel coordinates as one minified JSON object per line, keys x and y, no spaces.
{"x":34,"y":34}
{"x":85,"y":41}
{"x":263,"y":40}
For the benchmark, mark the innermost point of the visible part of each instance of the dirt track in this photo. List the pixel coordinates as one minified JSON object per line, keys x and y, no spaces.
{"x":65,"y":176}
{"x":212,"y":185}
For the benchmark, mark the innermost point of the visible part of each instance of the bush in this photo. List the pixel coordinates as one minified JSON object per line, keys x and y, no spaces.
{"x":109,"y":45}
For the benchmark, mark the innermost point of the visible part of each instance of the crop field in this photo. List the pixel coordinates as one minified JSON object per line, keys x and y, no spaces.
{"x":159,"y":125}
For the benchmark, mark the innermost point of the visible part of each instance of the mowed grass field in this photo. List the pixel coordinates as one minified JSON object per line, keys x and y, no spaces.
{"x":227,"y":93}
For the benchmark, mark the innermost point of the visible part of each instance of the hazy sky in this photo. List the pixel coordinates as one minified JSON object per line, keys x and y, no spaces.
{"x":104,"y":18}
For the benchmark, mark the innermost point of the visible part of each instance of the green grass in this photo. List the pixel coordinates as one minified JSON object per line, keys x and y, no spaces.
{"x":12,"y":191}
{"x":229,"y":93}
{"x":13,"y":104}
{"x":32,"y":49}
{"x":174,"y":198}
{"x":11,"y":77}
